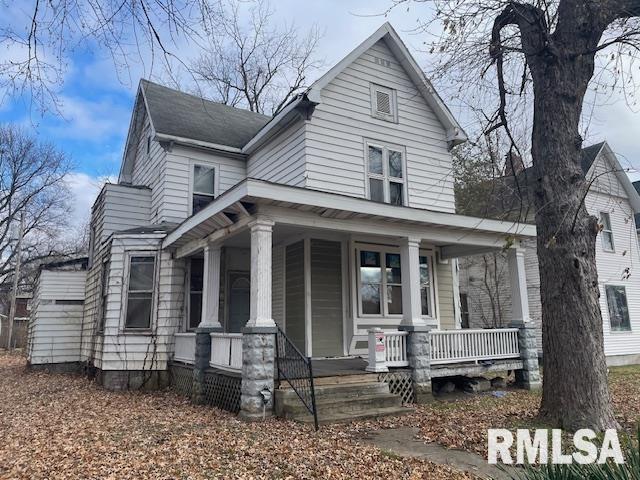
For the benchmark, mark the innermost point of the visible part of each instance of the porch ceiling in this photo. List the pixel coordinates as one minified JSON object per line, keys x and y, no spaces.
{"x":287,"y":205}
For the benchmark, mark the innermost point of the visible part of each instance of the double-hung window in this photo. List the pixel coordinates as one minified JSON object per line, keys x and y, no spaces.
{"x":385,"y":174}
{"x":204,"y":191}
{"x":607,"y":232}
{"x":380,"y":283}
{"x":618,"y":308}
{"x":140,"y":292}
{"x":195,"y":292}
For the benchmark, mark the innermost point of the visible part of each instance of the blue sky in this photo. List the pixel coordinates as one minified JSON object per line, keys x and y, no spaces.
{"x":96,"y":98}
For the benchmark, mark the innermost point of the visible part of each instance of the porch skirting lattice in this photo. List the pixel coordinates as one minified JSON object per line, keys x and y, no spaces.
{"x":400,"y":383}
{"x":181,"y":378}
{"x":222,"y":390}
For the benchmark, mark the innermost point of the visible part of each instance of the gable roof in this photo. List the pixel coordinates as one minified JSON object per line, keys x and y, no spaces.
{"x":455,"y":133}
{"x":182,"y":115}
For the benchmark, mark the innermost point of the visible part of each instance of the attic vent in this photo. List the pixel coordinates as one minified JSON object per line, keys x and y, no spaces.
{"x":383,"y":102}
{"x":383,"y":62}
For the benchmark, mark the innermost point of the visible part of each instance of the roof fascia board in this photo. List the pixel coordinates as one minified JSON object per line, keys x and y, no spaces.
{"x":231,"y":196}
{"x":621,"y":175}
{"x":268,"y":130}
{"x":163,"y":137}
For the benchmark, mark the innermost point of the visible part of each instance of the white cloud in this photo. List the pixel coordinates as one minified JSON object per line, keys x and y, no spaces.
{"x":84,"y":190}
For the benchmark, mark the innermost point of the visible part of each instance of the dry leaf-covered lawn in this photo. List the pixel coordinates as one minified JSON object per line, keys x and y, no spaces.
{"x":463,"y":423}
{"x":64,"y":426}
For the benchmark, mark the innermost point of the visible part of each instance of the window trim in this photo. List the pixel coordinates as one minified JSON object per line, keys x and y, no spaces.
{"x":609,"y":231}
{"x":383,"y":250}
{"x":626,"y":297}
{"x":393,"y":103}
{"x":386,"y":179}
{"x":216,"y":179}
{"x":125,"y":298}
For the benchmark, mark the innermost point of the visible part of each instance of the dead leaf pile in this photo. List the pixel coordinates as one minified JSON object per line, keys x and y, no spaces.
{"x":55,"y":426}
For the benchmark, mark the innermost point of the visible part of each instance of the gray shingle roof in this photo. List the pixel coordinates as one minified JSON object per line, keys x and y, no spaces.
{"x":183,"y":115}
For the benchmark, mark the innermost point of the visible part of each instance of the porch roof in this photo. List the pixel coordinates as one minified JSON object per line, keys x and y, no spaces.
{"x":233,"y":210}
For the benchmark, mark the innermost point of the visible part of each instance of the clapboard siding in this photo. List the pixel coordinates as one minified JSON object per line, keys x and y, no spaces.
{"x":282,"y":159}
{"x":121,"y":207}
{"x":295,"y":294}
{"x":604,"y":179}
{"x":127,"y":350}
{"x":177,"y":179}
{"x":335,"y":136}
{"x":446,"y":308}
{"x":326,"y":298}
{"x":55,"y":330}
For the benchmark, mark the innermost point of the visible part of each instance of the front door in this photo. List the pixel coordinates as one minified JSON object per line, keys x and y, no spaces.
{"x":239,"y":298}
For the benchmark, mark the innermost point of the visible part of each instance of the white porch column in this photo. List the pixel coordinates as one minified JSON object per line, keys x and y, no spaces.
{"x":211,"y":288}
{"x":518,"y":280}
{"x":410,"y":268}
{"x":260,"y":304}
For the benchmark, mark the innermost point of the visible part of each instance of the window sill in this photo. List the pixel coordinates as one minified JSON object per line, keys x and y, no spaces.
{"x":620,"y":332}
{"x":137,"y":331}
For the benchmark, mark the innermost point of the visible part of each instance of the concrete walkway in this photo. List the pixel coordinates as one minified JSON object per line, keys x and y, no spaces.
{"x":403,"y":442}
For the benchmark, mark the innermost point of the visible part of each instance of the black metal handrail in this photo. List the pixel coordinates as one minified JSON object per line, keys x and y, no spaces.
{"x":294,"y":367}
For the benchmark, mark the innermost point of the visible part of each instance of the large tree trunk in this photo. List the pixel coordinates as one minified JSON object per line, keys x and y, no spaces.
{"x":575,"y":390}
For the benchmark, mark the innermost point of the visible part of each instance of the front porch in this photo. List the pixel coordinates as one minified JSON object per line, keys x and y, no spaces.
{"x":340,"y":277}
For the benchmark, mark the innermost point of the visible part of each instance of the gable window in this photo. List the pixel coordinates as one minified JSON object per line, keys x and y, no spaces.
{"x":607,"y":233}
{"x":618,"y":308}
{"x":385,"y":174}
{"x":383,"y":103}
{"x":204,"y":178}
{"x":140,"y":292}
{"x":195,"y":293}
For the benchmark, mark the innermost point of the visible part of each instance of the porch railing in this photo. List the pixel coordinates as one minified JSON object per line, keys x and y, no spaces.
{"x":185,"y":348}
{"x":226,"y":351}
{"x":455,"y":346}
{"x":395,"y":345}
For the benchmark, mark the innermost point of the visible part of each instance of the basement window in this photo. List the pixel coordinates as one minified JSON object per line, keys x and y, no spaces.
{"x":140,"y":292}
{"x":618,"y":308}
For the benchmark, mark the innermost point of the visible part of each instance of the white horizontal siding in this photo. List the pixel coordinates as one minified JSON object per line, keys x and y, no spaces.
{"x":55,"y":329}
{"x":120,"y":207}
{"x":335,"y":136}
{"x":282,"y":159}
{"x":177,"y":171}
{"x":604,"y":178}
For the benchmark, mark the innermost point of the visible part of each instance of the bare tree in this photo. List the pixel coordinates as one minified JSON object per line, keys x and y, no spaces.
{"x":32,"y":181}
{"x":545,"y":54}
{"x":252,"y":62}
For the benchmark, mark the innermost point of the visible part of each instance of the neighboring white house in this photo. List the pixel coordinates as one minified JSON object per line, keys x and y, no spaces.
{"x":484,"y":279}
{"x":332,"y":218}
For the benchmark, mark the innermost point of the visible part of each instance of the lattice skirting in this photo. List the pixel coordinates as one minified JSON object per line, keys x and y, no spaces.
{"x":223,"y":391}
{"x":181,"y":379}
{"x":400,"y":383}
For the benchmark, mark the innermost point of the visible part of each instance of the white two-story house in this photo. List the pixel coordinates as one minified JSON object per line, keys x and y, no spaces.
{"x":332,"y":219}
{"x":484,"y":279}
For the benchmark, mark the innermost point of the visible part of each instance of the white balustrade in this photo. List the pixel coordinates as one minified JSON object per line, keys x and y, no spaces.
{"x":455,"y":346}
{"x":226,"y":351}
{"x":185,"y":348}
{"x":396,"y":349}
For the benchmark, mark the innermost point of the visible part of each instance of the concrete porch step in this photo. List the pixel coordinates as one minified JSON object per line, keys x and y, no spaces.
{"x":324,"y":419}
{"x":343,"y":390}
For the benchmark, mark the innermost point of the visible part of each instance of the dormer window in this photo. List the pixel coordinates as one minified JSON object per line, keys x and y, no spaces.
{"x":204,"y":190}
{"x":385,"y":172}
{"x":383,"y":103}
